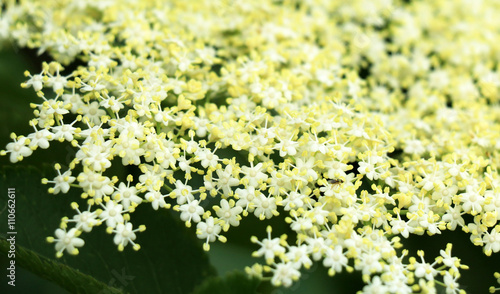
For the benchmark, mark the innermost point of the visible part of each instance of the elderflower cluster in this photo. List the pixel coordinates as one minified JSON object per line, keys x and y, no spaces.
{"x":362,"y":122}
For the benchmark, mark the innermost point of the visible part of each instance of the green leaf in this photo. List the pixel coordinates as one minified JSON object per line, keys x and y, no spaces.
{"x":15,"y":111}
{"x":170,"y":259}
{"x":63,"y":275}
{"x":234,"y":282}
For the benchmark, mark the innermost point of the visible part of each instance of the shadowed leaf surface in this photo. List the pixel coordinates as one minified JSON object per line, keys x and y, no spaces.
{"x":170,"y":260}
{"x":234,"y":282}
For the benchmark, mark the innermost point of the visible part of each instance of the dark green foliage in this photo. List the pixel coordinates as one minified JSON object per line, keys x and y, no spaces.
{"x":171,"y":259}
{"x":233,"y":282}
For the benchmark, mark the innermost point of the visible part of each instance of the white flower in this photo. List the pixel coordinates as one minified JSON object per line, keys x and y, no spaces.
{"x":164,"y":117}
{"x":375,"y":286}
{"x":317,"y":246}
{"x":95,"y":184}
{"x":36,"y":81}
{"x":286,"y":147}
{"x":229,"y":213}
{"x":191,"y":211}
{"x":112,"y":214}
{"x":319,"y":215}
{"x":74,"y":99}
{"x":166,"y":156}
{"x":472,"y":201}
{"x":207,"y":157}
{"x":127,"y":195}
{"x":453,"y":217}
{"x":369,"y":262}
{"x":335,"y":259}
{"x":128,"y":148}
{"x":269,"y":248}
{"x":294,"y":200}
{"x":226,"y":179}
{"x":182,"y":192}
{"x":414,"y":147}
{"x":157,"y":199}
{"x":93,"y":112}
{"x":492,"y":241}
{"x":246,"y":198}
{"x":336,"y":169}
{"x":254,"y":174}
{"x":201,"y":125}
{"x":18,"y":149}
{"x":284,"y":274}
{"x":448,"y":260}
{"x":208,"y":230}
{"x":272,"y":97}
{"x":299,"y":255}
{"x":400,"y":226}
{"x":131,"y":128}
{"x":368,"y":169}
{"x":450,"y":281}
{"x":424,"y":269}
{"x":306,"y":170}
{"x":92,"y":86}
{"x":61,"y":182}
{"x":152,"y":176}
{"x":301,"y":224}
{"x":95,"y":156}
{"x":125,"y":234}
{"x":53,"y":106}
{"x":185,"y":165}
{"x":265,"y":207}
{"x":64,"y":132}
{"x":67,"y":241}
{"x":40,"y":138}
{"x":57,"y":82}
{"x":85,"y":220}
{"x":112,"y":103}
{"x":445,"y":194}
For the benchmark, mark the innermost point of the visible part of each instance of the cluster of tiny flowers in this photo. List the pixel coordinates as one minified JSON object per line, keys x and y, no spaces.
{"x":362,"y":122}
